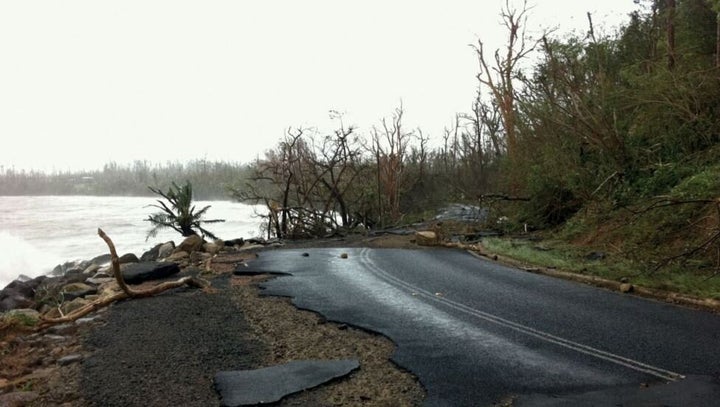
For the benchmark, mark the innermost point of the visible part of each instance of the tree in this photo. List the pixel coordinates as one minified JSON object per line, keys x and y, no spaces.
{"x":179,"y":214}
{"x":499,"y":77}
{"x":390,"y":147}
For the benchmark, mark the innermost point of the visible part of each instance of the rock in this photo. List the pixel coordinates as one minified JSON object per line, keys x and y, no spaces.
{"x":166,"y":249}
{"x":18,"y":398}
{"x":101,"y":259}
{"x":66,"y":360}
{"x":594,"y":256}
{"x":87,"y":320}
{"x":54,"y":338}
{"x":152,"y":254}
{"x":77,"y":303}
{"x":76,"y":290}
{"x":270,"y":384}
{"x":343,"y":255}
{"x":199,"y":257}
{"x":190,"y":244}
{"x":24,"y":288}
{"x":128,"y":258}
{"x":10,"y":300}
{"x":100,"y":277}
{"x":626,"y":288}
{"x":211,"y":248}
{"x":234,"y":242}
{"x":178,"y":256}
{"x":91,"y":269}
{"x":98,"y":280}
{"x":75,"y":276}
{"x":136,"y":273}
{"x":63,"y":329}
{"x":426,"y":238}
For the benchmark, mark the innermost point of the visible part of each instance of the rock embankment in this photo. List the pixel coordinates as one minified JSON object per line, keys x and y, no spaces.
{"x":32,"y":359}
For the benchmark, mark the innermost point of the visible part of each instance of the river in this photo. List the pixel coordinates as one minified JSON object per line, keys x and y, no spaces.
{"x":39,"y":232}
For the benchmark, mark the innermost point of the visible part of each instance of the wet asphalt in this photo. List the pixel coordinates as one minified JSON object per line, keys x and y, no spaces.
{"x":476,"y":333}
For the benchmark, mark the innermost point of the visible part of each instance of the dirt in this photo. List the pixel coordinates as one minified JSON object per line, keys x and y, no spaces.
{"x":164,"y":350}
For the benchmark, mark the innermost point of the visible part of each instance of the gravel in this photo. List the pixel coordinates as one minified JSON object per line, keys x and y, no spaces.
{"x":165,"y":350}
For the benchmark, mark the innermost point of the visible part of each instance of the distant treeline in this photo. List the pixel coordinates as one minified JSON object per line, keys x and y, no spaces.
{"x":210,"y":179}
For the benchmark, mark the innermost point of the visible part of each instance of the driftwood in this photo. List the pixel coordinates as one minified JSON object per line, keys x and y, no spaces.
{"x":126,"y":292}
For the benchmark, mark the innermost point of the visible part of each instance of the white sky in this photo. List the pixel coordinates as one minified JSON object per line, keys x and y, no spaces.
{"x":86,"y":82}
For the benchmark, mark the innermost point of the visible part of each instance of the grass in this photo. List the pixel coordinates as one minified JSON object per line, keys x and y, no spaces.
{"x":566,"y":257}
{"x":14,"y":318}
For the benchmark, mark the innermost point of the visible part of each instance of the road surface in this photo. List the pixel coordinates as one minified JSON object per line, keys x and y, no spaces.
{"x":475,"y":332}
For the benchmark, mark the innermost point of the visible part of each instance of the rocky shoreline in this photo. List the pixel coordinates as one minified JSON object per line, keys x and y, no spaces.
{"x":58,"y":365}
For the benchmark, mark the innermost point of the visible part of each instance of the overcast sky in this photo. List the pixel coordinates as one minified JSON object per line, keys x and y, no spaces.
{"x":86,"y":82}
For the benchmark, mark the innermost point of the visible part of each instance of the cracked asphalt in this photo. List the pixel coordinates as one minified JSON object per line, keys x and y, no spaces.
{"x":477,"y":333}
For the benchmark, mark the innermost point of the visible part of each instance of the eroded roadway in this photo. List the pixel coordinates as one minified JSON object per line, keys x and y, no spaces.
{"x":475,"y":332}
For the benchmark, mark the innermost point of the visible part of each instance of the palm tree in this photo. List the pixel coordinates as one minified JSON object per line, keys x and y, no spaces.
{"x":179,"y":214}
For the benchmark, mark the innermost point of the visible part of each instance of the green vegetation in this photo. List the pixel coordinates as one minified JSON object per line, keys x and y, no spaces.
{"x":179,"y":213}
{"x":556,"y":254}
{"x":20,"y":319}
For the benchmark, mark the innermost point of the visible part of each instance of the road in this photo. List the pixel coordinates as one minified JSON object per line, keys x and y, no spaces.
{"x":475,"y":332}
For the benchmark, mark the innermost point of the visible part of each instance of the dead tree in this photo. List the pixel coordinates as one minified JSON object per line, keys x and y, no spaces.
{"x":390,"y":144}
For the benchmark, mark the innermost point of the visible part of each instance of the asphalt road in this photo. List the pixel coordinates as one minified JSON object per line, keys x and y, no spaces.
{"x":475,"y":332}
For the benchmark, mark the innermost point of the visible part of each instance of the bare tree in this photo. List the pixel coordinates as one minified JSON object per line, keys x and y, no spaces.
{"x":390,"y":146}
{"x":499,"y":76}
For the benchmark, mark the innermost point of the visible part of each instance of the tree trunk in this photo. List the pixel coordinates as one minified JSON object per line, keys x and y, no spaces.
{"x":670,"y":34}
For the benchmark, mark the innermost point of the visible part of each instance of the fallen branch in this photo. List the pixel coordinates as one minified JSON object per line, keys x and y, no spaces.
{"x":126,"y":292}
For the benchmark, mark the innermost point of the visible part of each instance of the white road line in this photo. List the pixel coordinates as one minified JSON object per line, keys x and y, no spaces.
{"x":547,"y":337}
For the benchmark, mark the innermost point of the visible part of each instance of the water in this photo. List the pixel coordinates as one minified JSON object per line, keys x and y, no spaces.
{"x":39,"y":232}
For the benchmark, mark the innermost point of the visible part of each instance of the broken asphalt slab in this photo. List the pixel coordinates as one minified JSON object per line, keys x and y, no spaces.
{"x":271,"y":384}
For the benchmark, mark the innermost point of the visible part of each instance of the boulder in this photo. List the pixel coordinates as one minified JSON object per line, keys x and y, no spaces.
{"x":18,"y":294}
{"x":234,"y":242}
{"x":24,"y":288}
{"x":178,"y":256}
{"x":136,"y":273}
{"x":128,"y":258}
{"x":101,"y":259}
{"x":426,"y":238}
{"x":190,"y":244}
{"x":15,"y":301}
{"x":91,"y":269}
{"x":166,"y":250}
{"x":99,"y":278}
{"x":199,"y":256}
{"x":77,"y":290}
{"x":211,"y":248}
{"x":75,"y":276}
{"x":77,"y":303}
{"x":626,"y":288}
{"x":152,"y":254}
